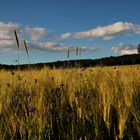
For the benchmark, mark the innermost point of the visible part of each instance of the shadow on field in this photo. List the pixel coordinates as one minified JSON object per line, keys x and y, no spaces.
{"x":65,"y":123}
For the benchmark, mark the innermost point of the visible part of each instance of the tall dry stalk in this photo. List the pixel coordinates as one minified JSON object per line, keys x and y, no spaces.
{"x":17,"y":44}
{"x":26,"y":49}
{"x":68,"y":54}
{"x":77,"y":52}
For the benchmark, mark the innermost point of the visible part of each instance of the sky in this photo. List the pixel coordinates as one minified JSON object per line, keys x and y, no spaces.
{"x":101,"y":28}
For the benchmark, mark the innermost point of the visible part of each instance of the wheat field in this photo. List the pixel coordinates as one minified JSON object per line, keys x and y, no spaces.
{"x":70,"y":104}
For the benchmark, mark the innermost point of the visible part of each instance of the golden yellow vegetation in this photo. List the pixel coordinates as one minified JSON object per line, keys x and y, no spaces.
{"x":77,"y":103}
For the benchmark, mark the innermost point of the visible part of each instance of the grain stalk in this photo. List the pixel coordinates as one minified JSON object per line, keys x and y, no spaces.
{"x":68,"y":54}
{"x":26,"y":49}
{"x":17,"y":44}
{"x":77,"y":52}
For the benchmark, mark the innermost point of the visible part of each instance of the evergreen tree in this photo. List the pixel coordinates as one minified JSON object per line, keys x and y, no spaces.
{"x":138,"y":49}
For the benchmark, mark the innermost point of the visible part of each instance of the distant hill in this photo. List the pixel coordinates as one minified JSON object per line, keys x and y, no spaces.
{"x":107,"y":61}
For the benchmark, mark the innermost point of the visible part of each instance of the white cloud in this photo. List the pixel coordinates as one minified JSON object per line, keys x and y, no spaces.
{"x":129,"y":51}
{"x":6,"y":29}
{"x":36,"y":33}
{"x":106,"y":32}
{"x":125,"y":49}
{"x":57,"y":47}
{"x":6,"y":42}
{"x":7,"y":45}
{"x":8,"y":26}
{"x":66,"y":36}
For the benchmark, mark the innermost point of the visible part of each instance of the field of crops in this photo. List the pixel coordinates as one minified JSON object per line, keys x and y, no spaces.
{"x":70,"y":104}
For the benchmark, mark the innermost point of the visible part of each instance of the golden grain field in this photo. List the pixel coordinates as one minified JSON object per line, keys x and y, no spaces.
{"x":70,"y":104}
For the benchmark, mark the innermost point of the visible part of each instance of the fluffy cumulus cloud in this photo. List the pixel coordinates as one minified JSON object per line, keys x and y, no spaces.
{"x":36,"y":33}
{"x":106,"y":32}
{"x":6,"y":29}
{"x":7,"y":40}
{"x":7,"y":44}
{"x":66,"y":36}
{"x":57,"y":47}
{"x":125,"y":49}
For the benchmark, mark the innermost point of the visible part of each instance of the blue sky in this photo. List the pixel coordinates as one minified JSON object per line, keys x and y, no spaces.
{"x":100,"y":28}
